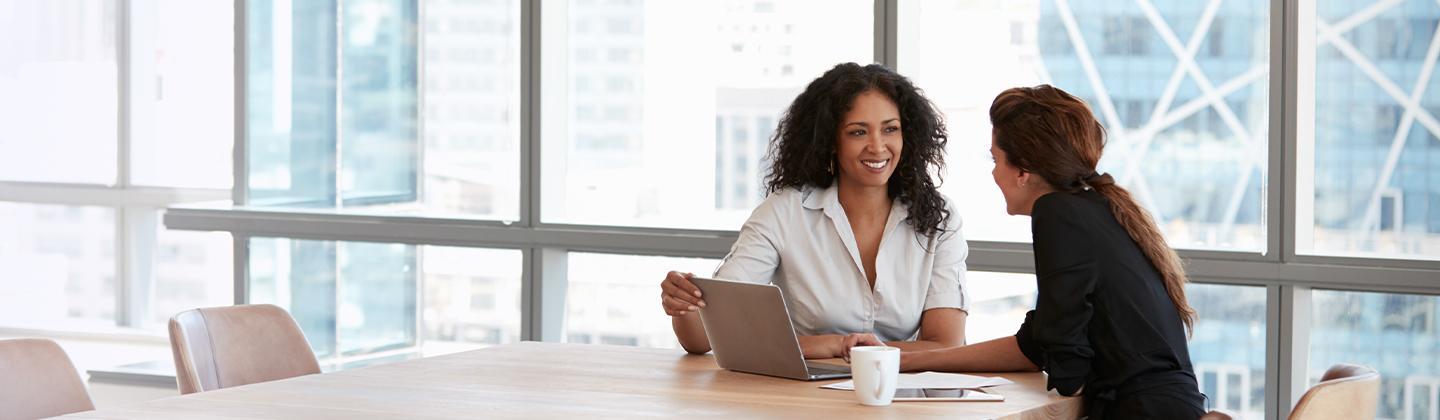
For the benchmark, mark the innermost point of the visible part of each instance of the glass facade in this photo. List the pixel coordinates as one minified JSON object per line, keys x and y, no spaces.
{"x":1227,"y":347}
{"x":58,"y":92}
{"x":1376,"y":151}
{"x":1181,"y":88}
{"x":182,"y":101}
{"x":335,"y":109}
{"x":364,"y":302}
{"x":57,"y":265}
{"x":1394,"y":333}
{"x":615,"y":299}
{"x":689,"y":90}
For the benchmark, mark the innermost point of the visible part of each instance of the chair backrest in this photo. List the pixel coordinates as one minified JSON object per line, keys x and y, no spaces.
{"x":1347,"y":391}
{"x":1220,"y":415}
{"x":237,"y":345}
{"x":37,"y":381}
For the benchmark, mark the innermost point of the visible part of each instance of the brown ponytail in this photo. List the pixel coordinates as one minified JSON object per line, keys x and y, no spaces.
{"x":1048,"y":132}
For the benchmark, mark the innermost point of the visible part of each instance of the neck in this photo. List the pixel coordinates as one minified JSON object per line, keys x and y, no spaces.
{"x":864,"y":199}
{"x":1035,"y":193}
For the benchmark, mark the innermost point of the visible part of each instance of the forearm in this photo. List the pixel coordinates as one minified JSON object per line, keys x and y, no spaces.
{"x":691,"y":333}
{"x":919,"y":345}
{"x":820,"y":346}
{"x":998,"y":355}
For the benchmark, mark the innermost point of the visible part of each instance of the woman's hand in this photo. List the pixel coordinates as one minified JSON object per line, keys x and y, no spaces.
{"x":855,"y":340}
{"x":678,"y":295}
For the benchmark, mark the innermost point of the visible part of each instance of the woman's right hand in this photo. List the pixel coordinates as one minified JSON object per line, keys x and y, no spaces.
{"x":678,"y":295}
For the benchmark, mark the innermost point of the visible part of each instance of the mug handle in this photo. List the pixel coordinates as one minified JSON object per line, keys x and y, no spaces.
{"x":881,"y":386}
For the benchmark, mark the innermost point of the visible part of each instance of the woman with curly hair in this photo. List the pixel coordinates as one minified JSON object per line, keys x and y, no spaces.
{"x":1110,"y":318}
{"x":853,"y":229}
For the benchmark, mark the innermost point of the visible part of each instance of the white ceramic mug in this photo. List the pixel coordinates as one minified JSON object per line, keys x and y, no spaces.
{"x":875,"y":368}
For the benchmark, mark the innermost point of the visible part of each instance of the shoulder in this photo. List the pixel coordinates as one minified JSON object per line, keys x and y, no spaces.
{"x":953,"y":221}
{"x":1062,"y":204}
{"x":782,"y":202}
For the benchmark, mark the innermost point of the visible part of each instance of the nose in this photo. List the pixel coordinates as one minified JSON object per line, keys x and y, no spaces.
{"x":876,"y":144}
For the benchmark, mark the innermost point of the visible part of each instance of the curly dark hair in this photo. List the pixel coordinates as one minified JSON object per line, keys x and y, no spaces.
{"x":800,"y":152}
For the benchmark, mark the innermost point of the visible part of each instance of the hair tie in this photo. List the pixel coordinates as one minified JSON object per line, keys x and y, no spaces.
{"x":1095,"y":179}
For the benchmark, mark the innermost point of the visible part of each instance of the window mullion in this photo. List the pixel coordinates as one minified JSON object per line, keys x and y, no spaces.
{"x":886,"y":29}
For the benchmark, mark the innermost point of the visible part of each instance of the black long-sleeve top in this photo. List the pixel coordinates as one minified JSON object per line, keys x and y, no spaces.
{"x":1102,"y":316}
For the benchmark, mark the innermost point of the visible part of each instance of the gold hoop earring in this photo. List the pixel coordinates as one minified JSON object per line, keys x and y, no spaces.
{"x":832,"y":164}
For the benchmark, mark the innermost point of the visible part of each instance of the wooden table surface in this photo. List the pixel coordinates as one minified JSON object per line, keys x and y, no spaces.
{"x":551,"y":380}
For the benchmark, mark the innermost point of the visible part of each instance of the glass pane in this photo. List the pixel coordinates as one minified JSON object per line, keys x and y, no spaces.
{"x":58,"y":91}
{"x":359,"y":148}
{"x":378,"y":129}
{"x":57,"y":266}
{"x":300,"y":276}
{"x":615,"y":299}
{"x":291,"y":82}
{"x":998,"y":303}
{"x":690,"y":90}
{"x":1376,"y":139}
{"x":360,"y":302}
{"x":1188,"y":141}
{"x":1395,"y":334}
{"x":192,"y":270}
{"x":471,"y":108}
{"x":1227,"y":348}
{"x":472,"y":298}
{"x":182,"y":93}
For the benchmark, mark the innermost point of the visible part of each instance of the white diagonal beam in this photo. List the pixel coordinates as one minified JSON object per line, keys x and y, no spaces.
{"x":1208,"y":89}
{"x":1185,"y":110}
{"x":1421,"y":115}
{"x":1202,"y":29}
{"x":1082,"y":51}
{"x":1360,"y":17}
{"x":1397,"y":144}
{"x":1162,"y":27}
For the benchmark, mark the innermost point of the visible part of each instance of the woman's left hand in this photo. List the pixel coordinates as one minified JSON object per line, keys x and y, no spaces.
{"x":857,"y":339}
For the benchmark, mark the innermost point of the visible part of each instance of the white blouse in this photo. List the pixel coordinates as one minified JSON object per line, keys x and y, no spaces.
{"x":802,"y":242}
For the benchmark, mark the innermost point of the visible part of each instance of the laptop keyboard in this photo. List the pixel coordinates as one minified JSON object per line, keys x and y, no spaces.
{"x":817,"y":368}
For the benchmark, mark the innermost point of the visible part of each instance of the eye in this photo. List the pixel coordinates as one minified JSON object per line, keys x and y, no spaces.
{"x":857,"y":133}
{"x":892,"y":129}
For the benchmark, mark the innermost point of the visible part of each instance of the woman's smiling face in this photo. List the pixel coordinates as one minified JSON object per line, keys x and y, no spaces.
{"x":867,"y":147}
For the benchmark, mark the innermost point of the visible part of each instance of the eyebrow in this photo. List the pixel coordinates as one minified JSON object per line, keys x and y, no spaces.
{"x":865,"y":124}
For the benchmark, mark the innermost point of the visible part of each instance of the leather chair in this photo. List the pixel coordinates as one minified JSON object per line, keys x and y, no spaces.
{"x":237,"y":345}
{"x":1347,"y":391}
{"x":37,"y":381}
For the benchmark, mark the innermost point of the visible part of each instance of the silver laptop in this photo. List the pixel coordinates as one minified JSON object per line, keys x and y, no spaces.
{"x":749,"y":330}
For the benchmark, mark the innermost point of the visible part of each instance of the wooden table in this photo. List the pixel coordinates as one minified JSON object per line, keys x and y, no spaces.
{"x":555,"y":381}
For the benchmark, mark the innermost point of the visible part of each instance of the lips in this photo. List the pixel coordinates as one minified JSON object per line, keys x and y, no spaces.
{"x":875,"y":165}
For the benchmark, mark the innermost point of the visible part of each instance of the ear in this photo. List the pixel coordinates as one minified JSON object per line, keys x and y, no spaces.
{"x":1023,"y":179}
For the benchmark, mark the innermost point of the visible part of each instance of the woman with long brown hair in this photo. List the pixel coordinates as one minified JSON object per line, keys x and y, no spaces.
{"x":1111,"y":318}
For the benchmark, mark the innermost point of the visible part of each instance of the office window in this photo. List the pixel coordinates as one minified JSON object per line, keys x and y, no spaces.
{"x":1227,"y":347}
{"x":471,"y":298}
{"x":1375,"y":168}
{"x":1394,"y":333}
{"x":615,"y":299}
{"x":998,"y":303}
{"x":182,"y":93}
{"x":352,"y":299}
{"x":192,"y":270}
{"x":1203,"y":182}
{"x":396,"y":131}
{"x":366,"y":302}
{"x":57,"y":266}
{"x":634,"y":154}
{"x":57,"y":91}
